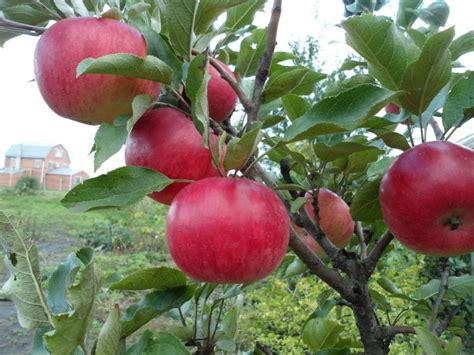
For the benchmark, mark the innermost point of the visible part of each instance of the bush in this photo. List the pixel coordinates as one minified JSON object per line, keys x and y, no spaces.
{"x":27,"y":185}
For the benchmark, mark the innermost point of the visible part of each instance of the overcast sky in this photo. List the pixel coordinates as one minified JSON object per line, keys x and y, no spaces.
{"x":25,"y":117}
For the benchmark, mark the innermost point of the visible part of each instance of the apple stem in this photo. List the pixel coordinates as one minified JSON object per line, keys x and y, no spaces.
{"x":420,"y":122}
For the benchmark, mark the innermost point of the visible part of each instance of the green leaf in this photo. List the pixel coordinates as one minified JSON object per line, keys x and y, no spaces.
{"x":129,"y":65}
{"x":392,"y":139}
{"x":229,"y":322}
{"x":196,"y":89}
{"x":159,"y":47}
{"x":418,"y":37}
{"x":291,"y":187}
{"x":297,"y":80}
{"x":242,"y":15}
{"x":297,"y":204}
{"x":71,"y":328}
{"x":152,"y":305}
{"x":108,"y":341}
{"x":346,"y":84}
{"x":380,"y":300}
{"x":39,"y":346}
{"x":181,"y":16}
{"x":109,"y":139}
{"x":296,"y":267}
{"x":66,"y":9}
{"x":137,"y":9}
{"x":407,"y":14}
{"x":436,"y":14}
{"x":167,"y":343}
{"x":387,"y":51}
{"x":461,"y":286}
{"x":425,"y":78}
{"x":159,"y":278}
{"x":388,"y":286}
{"x":251,"y":50}
{"x":459,"y":98}
{"x":344,"y":112}
{"x":352,"y":64}
{"x":59,"y":282}
{"x":295,"y":106}
{"x":321,"y":333}
{"x":119,"y":188}
{"x":140,"y":347}
{"x":209,"y":10}
{"x":241,"y":149}
{"x":426,"y":291}
{"x":339,"y":351}
{"x":428,"y":341}
{"x":340,"y":150}
{"x":454,"y":347}
{"x":379,"y":167}
{"x":365,"y":206}
{"x":462,"y":45}
{"x":24,"y":285}
{"x":80,"y":8}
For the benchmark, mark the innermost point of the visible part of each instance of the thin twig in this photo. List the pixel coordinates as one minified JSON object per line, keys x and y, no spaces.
{"x":390,"y":331}
{"x":448,"y":318}
{"x":265,"y":62}
{"x":410,"y":135}
{"x":377,"y":251}
{"x":443,"y":287}
{"x":181,"y":316}
{"x":360,"y":235}
{"x":20,"y":27}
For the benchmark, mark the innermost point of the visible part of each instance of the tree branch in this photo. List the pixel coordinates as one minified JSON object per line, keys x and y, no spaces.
{"x":317,"y":267}
{"x":443,"y":287}
{"x":265,"y":62}
{"x":448,"y":318}
{"x":377,"y":251}
{"x":20,"y":28}
{"x":390,"y":331}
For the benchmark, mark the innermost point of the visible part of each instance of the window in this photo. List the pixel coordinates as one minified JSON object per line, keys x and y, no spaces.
{"x":38,"y":163}
{"x":77,"y":180}
{"x":59,"y":153}
{"x":50,"y":165}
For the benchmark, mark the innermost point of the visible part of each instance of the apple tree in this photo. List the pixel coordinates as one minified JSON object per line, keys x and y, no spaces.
{"x":195,"y":90}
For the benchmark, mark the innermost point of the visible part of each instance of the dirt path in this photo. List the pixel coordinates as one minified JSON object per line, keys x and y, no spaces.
{"x":15,"y":340}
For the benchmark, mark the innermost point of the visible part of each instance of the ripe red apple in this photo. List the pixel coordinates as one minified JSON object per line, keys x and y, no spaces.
{"x":427,"y":199}
{"x":335,"y":220}
{"x":220,"y":95}
{"x":91,"y":98}
{"x":166,"y":140}
{"x":392,"y":108}
{"x":227,"y":230}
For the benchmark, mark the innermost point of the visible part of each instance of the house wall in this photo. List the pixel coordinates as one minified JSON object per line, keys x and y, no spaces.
{"x":57,"y":182}
{"x":57,"y":161}
{"x":10,"y":180}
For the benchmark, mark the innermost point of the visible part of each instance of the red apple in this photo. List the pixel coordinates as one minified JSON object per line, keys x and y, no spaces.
{"x":335,"y":220}
{"x":220,"y":95}
{"x":166,"y":140}
{"x":427,"y":199}
{"x":227,"y":230}
{"x":91,"y":98}
{"x":392,"y":108}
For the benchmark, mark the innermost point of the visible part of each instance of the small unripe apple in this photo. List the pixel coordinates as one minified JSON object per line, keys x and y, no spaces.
{"x":220,"y":95}
{"x":90,"y":98}
{"x":427,"y":199}
{"x":335,"y":220}
{"x":227,"y":230}
{"x":392,"y":108}
{"x":166,"y":140}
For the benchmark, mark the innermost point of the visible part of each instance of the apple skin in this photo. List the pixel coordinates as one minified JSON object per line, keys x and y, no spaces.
{"x":425,"y":187}
{"x":220,"y":95}
{"x":227,"y":230}
{"x":335,"y":220}
{"x":392,"y":108}
{"x":91,"y":98}
{"x":166,"y":140}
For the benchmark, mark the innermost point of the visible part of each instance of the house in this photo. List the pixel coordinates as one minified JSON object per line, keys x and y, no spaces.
{"x":48,"y":163}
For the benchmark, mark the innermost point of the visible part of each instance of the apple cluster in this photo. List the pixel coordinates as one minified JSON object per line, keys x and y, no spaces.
{"x":219,"y":229}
